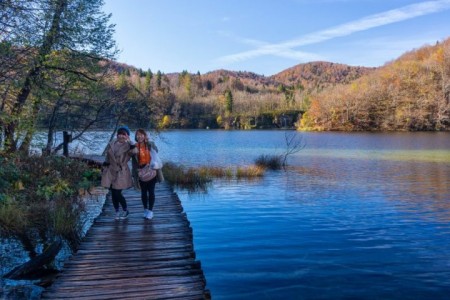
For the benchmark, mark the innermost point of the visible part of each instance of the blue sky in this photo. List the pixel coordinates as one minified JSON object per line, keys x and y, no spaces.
{"x":269,"y":36}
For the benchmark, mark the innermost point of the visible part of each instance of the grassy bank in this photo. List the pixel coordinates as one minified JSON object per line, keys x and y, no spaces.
{"x":40,"y":199}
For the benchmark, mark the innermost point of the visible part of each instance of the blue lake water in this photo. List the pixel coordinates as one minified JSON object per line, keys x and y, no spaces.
{"x":362,"y":216}
{"x":355,"y":216}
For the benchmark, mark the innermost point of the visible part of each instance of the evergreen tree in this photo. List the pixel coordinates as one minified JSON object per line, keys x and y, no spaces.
{"x":158,"y":79}
{"x":228,"y":102}
{"x":209,"y":85}
{"x":148,"y":79}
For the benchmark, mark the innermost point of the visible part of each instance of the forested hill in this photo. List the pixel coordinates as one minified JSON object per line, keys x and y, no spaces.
{"x":234,"y":99}
{"x":319,"y":75}
{"x":410,"y":93}
{"x":312,"y":76}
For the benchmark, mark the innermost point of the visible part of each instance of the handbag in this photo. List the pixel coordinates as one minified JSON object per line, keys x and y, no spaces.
{"x":146,"y":173}
{"x":156,"y":162}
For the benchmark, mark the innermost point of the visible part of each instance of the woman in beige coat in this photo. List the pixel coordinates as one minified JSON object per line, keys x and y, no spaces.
{"x":116,"y":174}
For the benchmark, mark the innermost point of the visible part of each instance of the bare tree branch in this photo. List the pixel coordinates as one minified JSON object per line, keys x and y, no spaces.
{"x":294,"y":144}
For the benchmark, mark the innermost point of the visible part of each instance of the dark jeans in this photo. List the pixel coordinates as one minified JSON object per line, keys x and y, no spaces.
{"x":118,"y":198}
{"x":148,"y":193}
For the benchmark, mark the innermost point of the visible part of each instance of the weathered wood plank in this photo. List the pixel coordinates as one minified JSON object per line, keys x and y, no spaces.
{"x":160,"y":265}
{"x":135,"y":258}
{"x":167,"y":292}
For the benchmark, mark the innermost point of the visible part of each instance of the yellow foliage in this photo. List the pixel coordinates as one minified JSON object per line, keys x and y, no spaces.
{"x":306,"y":123}
{"x":165,"y":122}
{"x":221,"y":99}
{"x":439,"y":56}
{"x":18,"y":185}
{"x":219,"y":120}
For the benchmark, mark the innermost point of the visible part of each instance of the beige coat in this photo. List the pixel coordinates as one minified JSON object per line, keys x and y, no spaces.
{"x":117,"y":175}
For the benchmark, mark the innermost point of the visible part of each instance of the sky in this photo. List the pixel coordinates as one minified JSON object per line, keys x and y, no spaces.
{"x":269,"y":36}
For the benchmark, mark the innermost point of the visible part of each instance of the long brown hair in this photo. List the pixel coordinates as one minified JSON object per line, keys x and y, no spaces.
{"x":143,"y":132}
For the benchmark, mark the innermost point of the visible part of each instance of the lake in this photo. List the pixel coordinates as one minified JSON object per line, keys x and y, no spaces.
{"x":355,"y":216}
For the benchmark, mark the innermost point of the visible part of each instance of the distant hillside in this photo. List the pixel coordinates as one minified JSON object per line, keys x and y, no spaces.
{"x":410,"y":93}
{"x":318,"y":75}
{"x":313,"y":76}
{"x":186,"y":98}
{"x":216,"y":82}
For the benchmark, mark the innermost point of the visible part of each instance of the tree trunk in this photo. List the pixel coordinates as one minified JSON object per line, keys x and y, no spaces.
{"x":26,"y":144}
{"x":51,"y":128}
{"x":36,"y":263}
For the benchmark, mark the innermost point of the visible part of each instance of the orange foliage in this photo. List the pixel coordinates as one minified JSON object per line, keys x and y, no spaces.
{"x":410,"y":93}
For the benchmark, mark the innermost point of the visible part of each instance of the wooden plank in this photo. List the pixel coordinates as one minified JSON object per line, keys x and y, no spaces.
{"x":135,"y":258}
{"x":166,"y":292}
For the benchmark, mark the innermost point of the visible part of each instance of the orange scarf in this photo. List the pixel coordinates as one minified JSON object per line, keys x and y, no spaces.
{"x":144,"y":156}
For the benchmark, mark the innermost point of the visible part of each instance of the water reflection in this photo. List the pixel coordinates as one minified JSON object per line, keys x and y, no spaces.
{"x":332,"y":226}
{"x":308,"y":235}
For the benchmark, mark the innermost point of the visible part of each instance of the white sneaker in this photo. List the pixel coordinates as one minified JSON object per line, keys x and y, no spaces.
{"x":149,"y":215}
{"x":117,"y":216}
{"x":145,"y":213}
{"x":124,"y":214}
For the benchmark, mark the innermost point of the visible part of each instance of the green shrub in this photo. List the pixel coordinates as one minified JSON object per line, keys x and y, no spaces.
{"x":65,"y":218}
{"x":13,"y":216}
{"x":39,"y":197}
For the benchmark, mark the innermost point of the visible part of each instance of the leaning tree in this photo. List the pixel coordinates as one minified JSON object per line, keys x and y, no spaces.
{"x":32,"y":31}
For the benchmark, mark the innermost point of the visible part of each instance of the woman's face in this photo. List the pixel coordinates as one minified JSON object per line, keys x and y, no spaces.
{"x":121,"y":137}
{"x":140,"y":137}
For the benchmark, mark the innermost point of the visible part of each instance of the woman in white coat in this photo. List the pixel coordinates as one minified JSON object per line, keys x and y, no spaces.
{"x":142,"y":159}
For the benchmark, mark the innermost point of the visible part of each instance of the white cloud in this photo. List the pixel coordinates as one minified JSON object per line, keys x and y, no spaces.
{"x":285,"y":49}
{"x":282,"y":52}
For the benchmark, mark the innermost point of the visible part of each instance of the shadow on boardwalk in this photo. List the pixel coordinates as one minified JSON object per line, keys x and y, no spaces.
{"x":135,"y":258}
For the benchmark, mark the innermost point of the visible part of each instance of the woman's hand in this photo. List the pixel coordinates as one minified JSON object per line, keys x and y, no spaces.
{"x":133,"y":149}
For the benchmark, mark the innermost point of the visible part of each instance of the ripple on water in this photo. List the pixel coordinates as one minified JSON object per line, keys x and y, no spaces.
{"x":333,"y":238}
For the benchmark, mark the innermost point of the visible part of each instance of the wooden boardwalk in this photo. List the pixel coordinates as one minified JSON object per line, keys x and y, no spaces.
{"x":135,"y":258}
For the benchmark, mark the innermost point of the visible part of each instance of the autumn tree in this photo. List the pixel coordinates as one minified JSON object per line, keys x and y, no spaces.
{"x":185,"y":80}
{"x":165,"y":122}
{"x":42,"y":27}
{"x":410,"y":93}
{"x":440,"y":63}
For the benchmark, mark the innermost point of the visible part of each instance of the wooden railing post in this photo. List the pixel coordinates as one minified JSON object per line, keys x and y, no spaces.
{"x":67,"y":138}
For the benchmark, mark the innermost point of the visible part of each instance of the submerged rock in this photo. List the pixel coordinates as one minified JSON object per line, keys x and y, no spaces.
{"x":19,"y":289}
